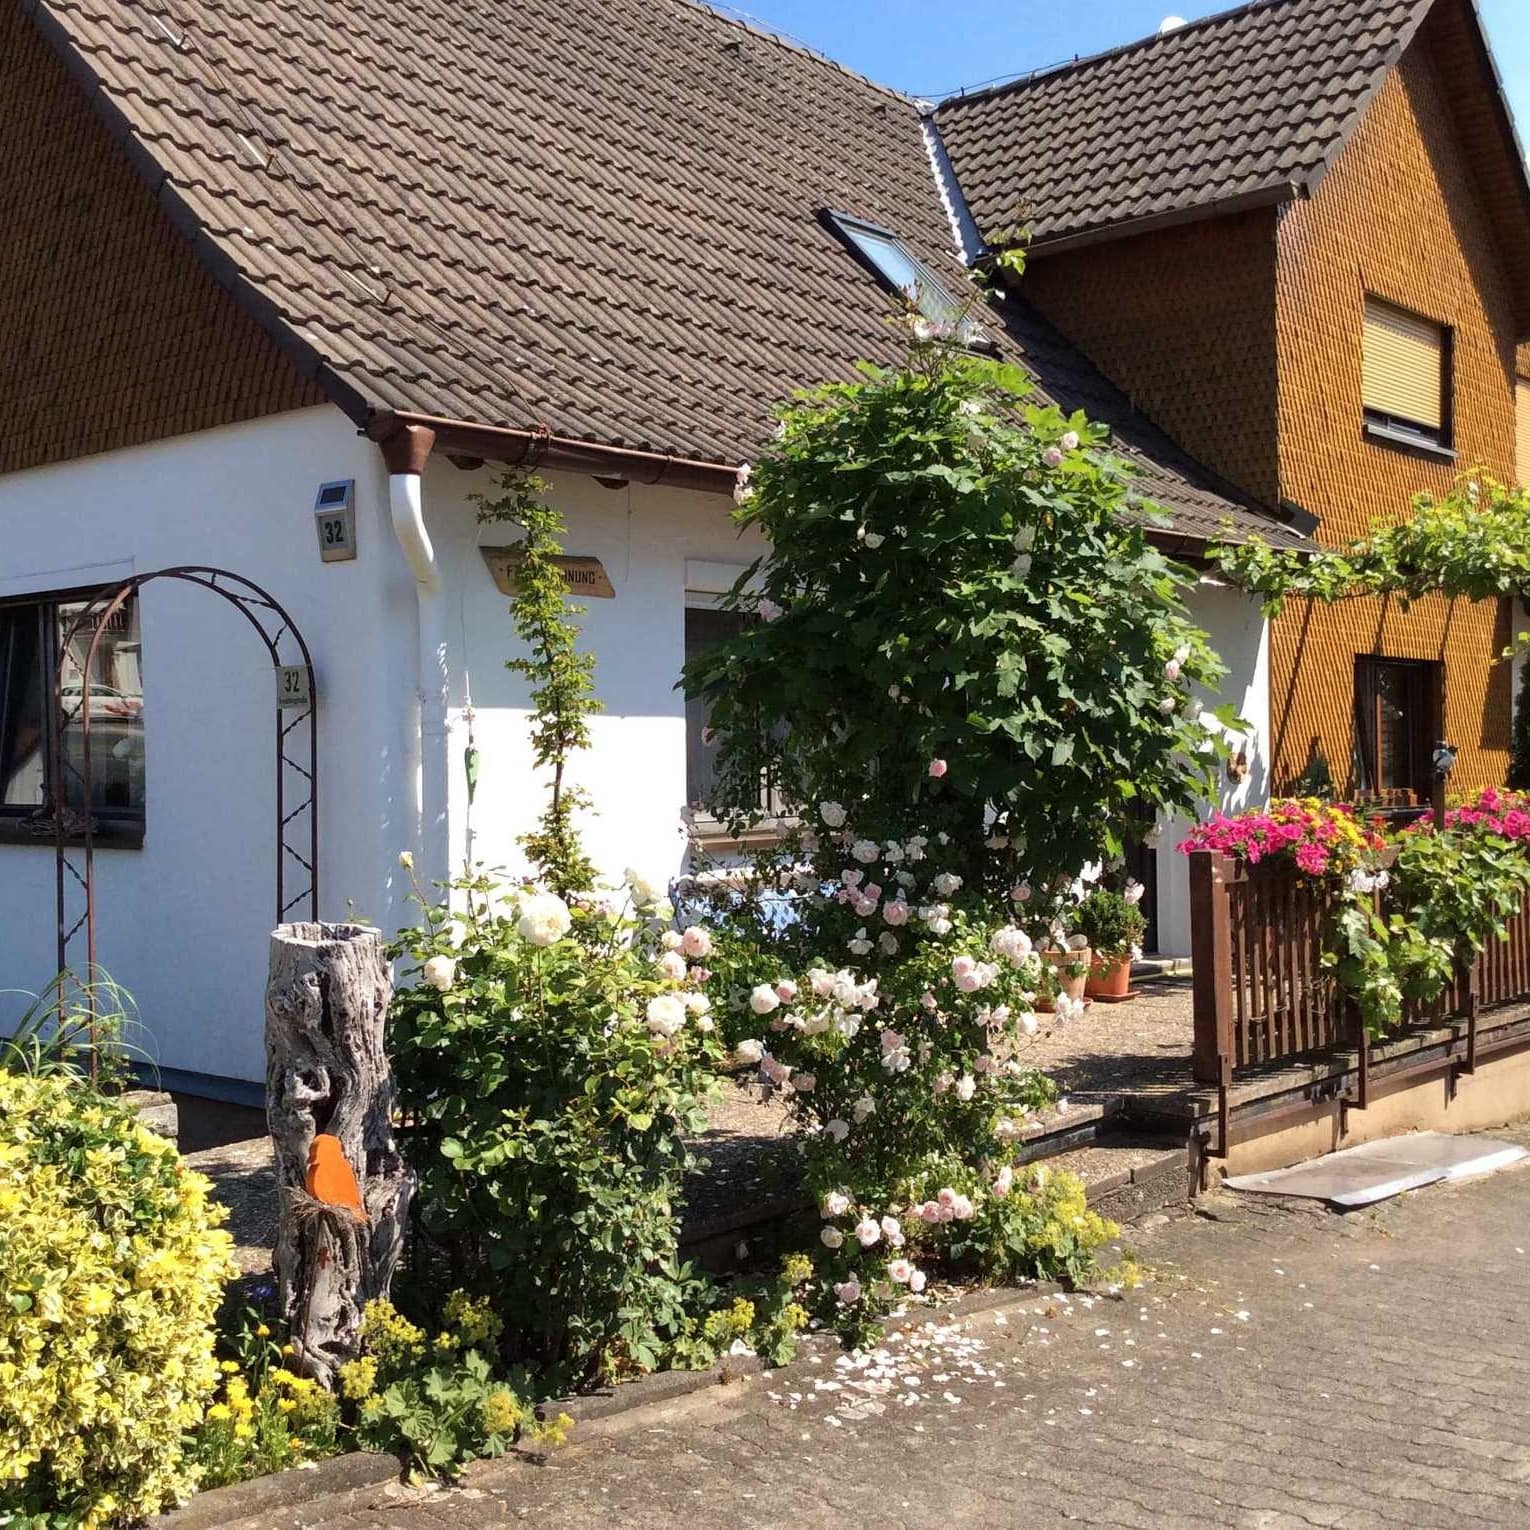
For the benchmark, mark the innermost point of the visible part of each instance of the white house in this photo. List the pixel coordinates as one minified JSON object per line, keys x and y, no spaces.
{"x":265,"y":253}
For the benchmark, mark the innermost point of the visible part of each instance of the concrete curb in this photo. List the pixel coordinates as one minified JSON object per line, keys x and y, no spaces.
{"x":261,"y":1498}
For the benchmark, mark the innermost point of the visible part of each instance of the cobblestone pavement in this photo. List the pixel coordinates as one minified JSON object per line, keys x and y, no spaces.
{"x":1285,"y":1366}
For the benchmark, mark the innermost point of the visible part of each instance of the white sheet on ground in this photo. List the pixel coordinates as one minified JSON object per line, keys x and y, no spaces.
{"x":1360,"y":1176}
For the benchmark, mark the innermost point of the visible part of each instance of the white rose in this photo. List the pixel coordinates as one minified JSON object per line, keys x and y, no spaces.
{"x":832,"y":813}
{"x":867,"y":1232}
{"x":749,"y":1052}
{"x":848,"y":1292}
{"x":695,"y":942}
{"x":645,"y":891}
{"x":763,"y":999}
{"x":866,"y":851}
{"x":544,"y":919}
{"x":665,"y":1014}
{"x":838,"y":1129}
{"x":697,"y":1003}
{"x":406,"y":860}
{"x":835,"y":1203}
{"x":440,"y":973}
{"x":831,"y":1237}
{"x":671,"y":965}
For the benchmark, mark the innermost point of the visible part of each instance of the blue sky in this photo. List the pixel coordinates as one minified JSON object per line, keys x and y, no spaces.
{"x":933,"y":47}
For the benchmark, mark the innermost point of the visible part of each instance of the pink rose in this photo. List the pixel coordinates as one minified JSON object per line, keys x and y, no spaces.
{"x":938,"y":768}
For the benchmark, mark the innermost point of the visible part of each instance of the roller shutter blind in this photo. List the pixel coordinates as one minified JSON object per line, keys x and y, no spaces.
{"x":1522,"y":439}
{"x":1404,"y":365}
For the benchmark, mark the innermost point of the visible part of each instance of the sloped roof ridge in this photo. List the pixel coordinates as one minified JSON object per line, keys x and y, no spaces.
{"x":1024,"y":77}
{"x":744,"y":21}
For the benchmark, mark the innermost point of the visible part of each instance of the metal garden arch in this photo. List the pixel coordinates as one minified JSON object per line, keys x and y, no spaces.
{"x":297,"y":754}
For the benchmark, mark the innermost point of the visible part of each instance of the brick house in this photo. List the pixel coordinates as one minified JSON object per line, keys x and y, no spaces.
{"x":1297,"y":235}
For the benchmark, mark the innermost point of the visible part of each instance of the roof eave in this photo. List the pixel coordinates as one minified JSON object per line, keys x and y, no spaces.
{"x":1271,"y":195}
{"x":515,"y":447}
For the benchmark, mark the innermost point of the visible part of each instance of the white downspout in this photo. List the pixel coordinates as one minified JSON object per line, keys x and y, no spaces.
{"x":405,"y":502}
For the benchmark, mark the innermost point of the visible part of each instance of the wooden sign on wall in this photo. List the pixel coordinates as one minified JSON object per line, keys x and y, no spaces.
{"x":586,"y":576}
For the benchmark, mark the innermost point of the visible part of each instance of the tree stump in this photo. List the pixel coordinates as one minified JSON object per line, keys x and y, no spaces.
{"x":327,"y":1073}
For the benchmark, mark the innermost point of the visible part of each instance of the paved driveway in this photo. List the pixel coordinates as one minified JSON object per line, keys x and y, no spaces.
{"x":1286,"y":1367}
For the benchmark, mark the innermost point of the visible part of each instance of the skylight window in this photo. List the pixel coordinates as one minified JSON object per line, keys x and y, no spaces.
{"x":901,"y":271}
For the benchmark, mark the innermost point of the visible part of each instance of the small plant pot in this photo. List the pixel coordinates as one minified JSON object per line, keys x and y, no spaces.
{"x":1110,"y":977}
{"x":1072,"y":986}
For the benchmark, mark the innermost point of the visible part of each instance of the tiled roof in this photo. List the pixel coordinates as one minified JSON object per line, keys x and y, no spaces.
{"x":1248,"y":105}
{"x":596,"y":217}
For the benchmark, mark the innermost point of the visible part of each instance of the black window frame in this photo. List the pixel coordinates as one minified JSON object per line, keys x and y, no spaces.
{"x":935,"y":299}
{"x":777,"y":816}
{"x":22,"y":823}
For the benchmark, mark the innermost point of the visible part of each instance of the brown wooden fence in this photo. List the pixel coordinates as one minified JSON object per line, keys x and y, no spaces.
{"x":1261,"y":995}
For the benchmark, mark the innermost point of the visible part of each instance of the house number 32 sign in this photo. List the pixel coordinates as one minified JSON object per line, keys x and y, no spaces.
{"x":334,"y":518}
{"x":292,"y":687}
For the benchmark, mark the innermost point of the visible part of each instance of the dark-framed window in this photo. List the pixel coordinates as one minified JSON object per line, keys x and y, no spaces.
{"x":1407,"y":366}
{"x":1398,"y":720}
{"x":896,"y":266}
{"x":706,"y":625}
{"x":31,"y":691}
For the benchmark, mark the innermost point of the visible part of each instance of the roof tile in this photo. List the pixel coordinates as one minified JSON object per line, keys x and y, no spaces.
{"x":1247,"y":101}
{"x":594,"y":215}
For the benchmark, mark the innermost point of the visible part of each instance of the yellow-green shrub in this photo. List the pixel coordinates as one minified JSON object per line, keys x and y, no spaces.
{"x":111,"y":1269}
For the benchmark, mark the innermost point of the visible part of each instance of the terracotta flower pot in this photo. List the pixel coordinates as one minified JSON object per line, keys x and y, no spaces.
{"x":1072,"y":986}
{"x":1110,"y":977}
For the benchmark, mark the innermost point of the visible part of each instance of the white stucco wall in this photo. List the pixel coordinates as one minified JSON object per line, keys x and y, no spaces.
{"x":635,"y":773}
{"x":182,"y":922}
{"x":1242,"y":637}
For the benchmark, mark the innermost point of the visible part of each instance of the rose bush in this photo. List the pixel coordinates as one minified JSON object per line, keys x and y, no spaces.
{"x":892,"y":1009}
{"x":963,"y":623}
{"x":551,"y":1061}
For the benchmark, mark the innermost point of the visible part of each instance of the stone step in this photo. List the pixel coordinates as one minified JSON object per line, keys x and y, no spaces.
{"x":1128,"y":1175}
{"x":155,"y":1109}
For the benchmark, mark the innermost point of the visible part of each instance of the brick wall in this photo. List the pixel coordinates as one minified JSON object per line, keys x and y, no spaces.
{"x":1397,"y":216}
{"x":111,"y":334}
{"x":1183,"y":321}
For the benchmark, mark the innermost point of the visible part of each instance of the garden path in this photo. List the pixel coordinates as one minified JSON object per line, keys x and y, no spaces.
{"x":1284,"y":1367}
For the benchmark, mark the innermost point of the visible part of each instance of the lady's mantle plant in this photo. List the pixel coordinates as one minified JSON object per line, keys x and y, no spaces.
{"x":962,"y":624}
